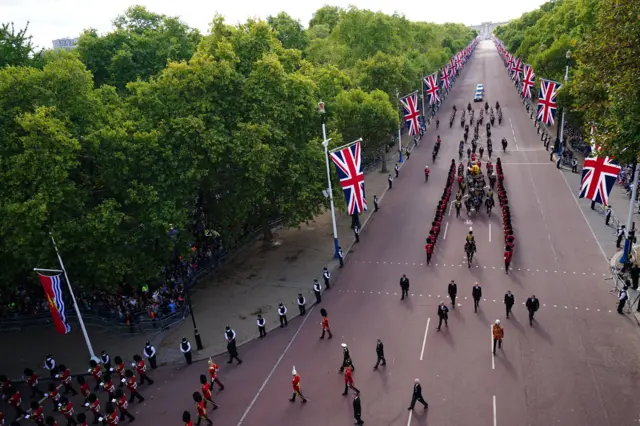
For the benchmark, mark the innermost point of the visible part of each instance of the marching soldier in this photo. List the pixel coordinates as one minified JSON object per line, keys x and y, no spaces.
{"x":66,"y":408}
{"x":32,"y":381}
{"x":65,"y":379}
{"x":15,"y":400}
{"x":201,"y":408}
{"x":186,"y":418}
{"x":85,"y":391}
{"x":509,"y":301}
{"x":532,"y":305}
{"x":150,"y":354}
{"x":111,"y":415}
{"x":346,"y":358}
{"x":429,"y":249}
{"x":51,"y":421}
{"x":380,"y":354}
{"x":50,"y":364}
{"x":230,"y":336}
{"x":508,"y":254}
{"x":417,"y":395}
{"x":141,"y":369}
{"x":357,"y":409}
{"x":119,"y":368}
{"x":443,"y":315}
{"x":262,"y":327}
{"x":123,"y":405}
{"x":94,"y":407}
{"x":325,"y":324}
{"x":82,"y":419}
{"x":107,"y":383}
{"x":348,"y":381}
{"x":54,"y":396}
{"x":326,"y":275}
{"x":185,"y":348}
{"x":404,"y":286}
{"x":340,"y":257}
{"x":302,"y":304}
{"x":476,"y":292}
{"x":36,"y":414}
{"x":452,"y":290}
{"x":106,"y":360}
{"x":213,"y":373}
{"x":317,"y":291}
{"x":498,"y":335}
{"x":132,"y":385}
{"x":206,"y":391}
{"x":282,"y":313}
{"x":356,"y":233}
{"x":295,"y":383}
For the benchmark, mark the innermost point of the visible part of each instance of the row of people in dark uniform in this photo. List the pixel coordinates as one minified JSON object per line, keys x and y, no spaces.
{"x":440,"y":211}
{"x":509,"y":237}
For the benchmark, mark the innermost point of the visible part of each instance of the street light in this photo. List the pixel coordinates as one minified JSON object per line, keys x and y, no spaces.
{"x":325,"y":144}
{"x":566,"y":78}
{"x":173,"y":234}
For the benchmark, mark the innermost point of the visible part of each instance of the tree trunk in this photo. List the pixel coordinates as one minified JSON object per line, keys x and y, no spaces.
{"x":267,"y":235}
{"x":383,"y":168}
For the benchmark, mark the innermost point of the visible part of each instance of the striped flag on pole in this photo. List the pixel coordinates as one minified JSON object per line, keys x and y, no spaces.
{"x":53,"y":292}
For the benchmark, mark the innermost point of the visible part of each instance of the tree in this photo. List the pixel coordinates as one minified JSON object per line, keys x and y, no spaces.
{"x":326,"y":15}
{"x":370,"y":116}
{"x":16,"y":48}
{"x":139,"y":47}
{"x":607,"y":82}
{"x":289,"y":31}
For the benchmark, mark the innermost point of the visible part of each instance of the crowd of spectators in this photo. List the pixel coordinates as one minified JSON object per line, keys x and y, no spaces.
{"x":127,"y":304}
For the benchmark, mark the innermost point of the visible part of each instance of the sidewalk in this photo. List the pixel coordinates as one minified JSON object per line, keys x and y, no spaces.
{"x":263,"y":276}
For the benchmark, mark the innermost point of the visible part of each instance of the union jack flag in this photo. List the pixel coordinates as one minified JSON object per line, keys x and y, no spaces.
{"x":431,"y":84}
{"x":445,"y":77}
{"x":411,"y":113}
{"x":509,"y":61}
{"x":53,"y":293}
{"x":599,"y":175}
{"x":517,"y":68}
{"x":547,"y":104}
{"x":528,"y":80}
{"x":348,"y":163}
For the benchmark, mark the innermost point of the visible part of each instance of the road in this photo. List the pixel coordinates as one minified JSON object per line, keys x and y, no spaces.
{"x":576,"y":366}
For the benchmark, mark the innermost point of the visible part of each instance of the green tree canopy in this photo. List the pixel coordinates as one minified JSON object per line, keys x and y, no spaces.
{"x":16,"y":48}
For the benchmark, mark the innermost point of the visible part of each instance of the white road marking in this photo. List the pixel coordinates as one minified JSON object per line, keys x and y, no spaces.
{"x":409,"y":421}
{"x":585,"y":218}
{"x":275,"y":367}
{"x":445,"y":231}
{"x":489,"y":234}
{"x":495,"y":418}
{"x":450,"y":206}
{"x":424,"y":340}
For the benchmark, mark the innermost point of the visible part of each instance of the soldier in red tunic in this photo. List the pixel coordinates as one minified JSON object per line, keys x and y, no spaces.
{"x":119,"y":368}
{"x":111,"y":415}
{"x":66,"y":408}
{"x":65,"y":378}
{"x":6,"y":385}
{"x":213,"y":372}
{"x":94,"y":406}
{"x":201,"y":408}
{"x":15,"y":400}
{"x":132,"y":385}
{"x":32,"y":380}
{"x":206,"y":391}
{"x":348,"y":381}
{"x":186,"y":418}
{"x":123,"y":405}
{"x":141,"y":369}
{"x":108,"y":386}
{"x":53,"y":395}
{"x":84,"y":389}
{"x":82,"y":419}
{"x":297,"y":391}
{"x":37,"y":413}
{"x":96,"y":372}
{"x":51,"y":421}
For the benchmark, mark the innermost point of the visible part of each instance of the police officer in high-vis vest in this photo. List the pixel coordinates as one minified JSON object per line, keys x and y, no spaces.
{"x":150,"y":354}
{"x":185,"y":348}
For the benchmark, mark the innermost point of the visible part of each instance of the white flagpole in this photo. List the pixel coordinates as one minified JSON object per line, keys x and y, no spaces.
{"x":75,"y":303}
{"x":399,"y":130}
{"x":325,"y":144}
{"x":424,"y":111}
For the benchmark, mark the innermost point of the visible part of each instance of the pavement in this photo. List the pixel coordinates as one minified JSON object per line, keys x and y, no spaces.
{"x":574,"y":366}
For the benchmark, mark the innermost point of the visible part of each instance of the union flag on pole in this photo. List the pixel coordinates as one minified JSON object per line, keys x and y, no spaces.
{"x":411,"y":113}
{"x":53,"y":292}
{"x":431,"y":85}
{"x":547,"y":104}
{"x":528,"y":80}
{"x":348,"y":163}
{"x":599,"y":175}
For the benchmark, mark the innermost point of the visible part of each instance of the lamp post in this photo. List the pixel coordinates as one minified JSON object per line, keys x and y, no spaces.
{"x":173,"y":234}
{"x":566,"y":78}
{"x":630,"y":228}
{"x":325,"y":144}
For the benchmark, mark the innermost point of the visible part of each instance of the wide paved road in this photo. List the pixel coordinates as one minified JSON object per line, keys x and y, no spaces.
{"x":577,"y":366}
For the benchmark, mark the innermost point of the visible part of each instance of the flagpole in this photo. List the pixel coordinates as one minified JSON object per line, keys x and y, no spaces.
{"x":423,"y":110}
{"x":75,"y":303}
{"x":325,"y":144}
{"x":566,"y":78}
{"x":399,"y":130}
{"x":634,"y":191}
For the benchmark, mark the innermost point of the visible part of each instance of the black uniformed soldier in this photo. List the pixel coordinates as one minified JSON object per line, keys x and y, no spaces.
{"x":346,"y":359}
{"x":262,"y":329}
{"x":404,"y":286}
{"x":317,"y":290}
{"x":452,"y":290}
{"x":302,"y":304}
{"x":443,"y":315}
{"x":326,"y":275}
{"x":150,"y":354}
{"x":417,"y":395}
{"x":282,"y":313}
{"x":185,"y":348}
{"x":476,"y":292}
{"x":380,"y":355}
{"x":357,"y":409}
{"x":509,"y":301}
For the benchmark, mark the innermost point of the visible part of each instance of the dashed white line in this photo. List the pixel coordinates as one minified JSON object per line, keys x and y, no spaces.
{"x":424,"y":340}
{"x":445,"y":231}
{"x":489,"y":234}
{"x":495,"y":418}
{"x":493,"y":358}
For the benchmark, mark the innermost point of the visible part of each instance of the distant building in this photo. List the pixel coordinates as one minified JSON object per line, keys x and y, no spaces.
{"x":65,"y":43}
{"x":486,"y":29}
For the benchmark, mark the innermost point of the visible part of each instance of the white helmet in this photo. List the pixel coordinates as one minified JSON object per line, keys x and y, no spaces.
{"x":344,"y":345}
{"x":471,"y":229}
{"x":497,"y":322}
{"x":294,"y":372}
